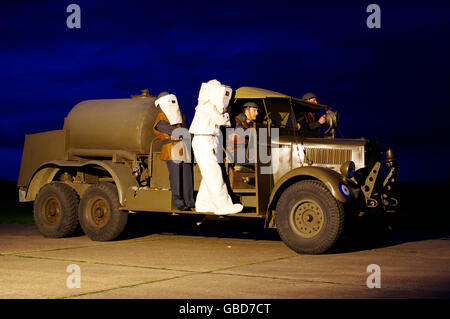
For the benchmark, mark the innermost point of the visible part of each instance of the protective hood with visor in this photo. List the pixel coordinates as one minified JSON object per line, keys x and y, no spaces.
{"x":216,"y":93}
{"x":169,"y":105}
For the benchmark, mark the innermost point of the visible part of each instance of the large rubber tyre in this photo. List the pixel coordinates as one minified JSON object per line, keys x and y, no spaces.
{"x":99,"y":212}
{"x":55,"y":210}
{"x":309,"y":219}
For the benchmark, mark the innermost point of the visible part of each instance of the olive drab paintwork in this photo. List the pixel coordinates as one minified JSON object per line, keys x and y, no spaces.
{"x":115,"y":125}
{"x":112,"y":141}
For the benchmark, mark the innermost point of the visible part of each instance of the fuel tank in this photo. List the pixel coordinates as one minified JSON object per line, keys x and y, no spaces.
{"x":112,"y":124}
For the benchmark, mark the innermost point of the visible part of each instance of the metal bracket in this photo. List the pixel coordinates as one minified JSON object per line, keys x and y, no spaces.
{"x":372,"y":203}
{"x":369,"y":184}
{"x":391,"y":172}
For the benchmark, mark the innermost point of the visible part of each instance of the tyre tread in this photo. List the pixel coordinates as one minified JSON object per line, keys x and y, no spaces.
{"x":69,"y":205}
{"x":337,"y":224}
{"x":118,"y":218}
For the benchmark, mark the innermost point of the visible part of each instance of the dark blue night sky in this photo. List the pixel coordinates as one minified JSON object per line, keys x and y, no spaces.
{"x":390,"y":84}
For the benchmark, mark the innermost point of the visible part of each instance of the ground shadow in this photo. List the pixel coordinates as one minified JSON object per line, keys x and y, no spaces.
{"x":422,"y":215}
{"x":347,"y":244}
{"x":144,"y":224}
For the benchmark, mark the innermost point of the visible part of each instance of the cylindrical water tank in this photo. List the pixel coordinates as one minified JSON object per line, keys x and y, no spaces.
{"x":113,"y":124}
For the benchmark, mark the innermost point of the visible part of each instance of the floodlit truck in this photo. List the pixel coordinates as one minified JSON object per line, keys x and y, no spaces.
{"x":105,"y":163}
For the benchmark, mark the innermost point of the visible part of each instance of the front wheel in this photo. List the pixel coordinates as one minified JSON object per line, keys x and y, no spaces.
{"x":99,"y":212}
{"x":309,"y":219}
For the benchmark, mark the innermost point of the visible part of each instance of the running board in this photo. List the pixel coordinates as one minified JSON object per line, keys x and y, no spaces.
{"x":190,"y":212}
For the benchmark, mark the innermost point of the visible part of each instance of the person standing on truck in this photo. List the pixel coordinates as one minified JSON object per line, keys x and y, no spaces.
{"x":238,"y":139}
{"x":174,"y":151}
{"x":209,"y":115}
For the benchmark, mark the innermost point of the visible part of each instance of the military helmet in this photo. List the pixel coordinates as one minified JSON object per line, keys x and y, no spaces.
{"x":250,"y":104}
{"x":309,"y":95}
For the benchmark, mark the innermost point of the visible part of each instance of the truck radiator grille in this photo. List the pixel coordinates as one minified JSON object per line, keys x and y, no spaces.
{"x":328,"y":156}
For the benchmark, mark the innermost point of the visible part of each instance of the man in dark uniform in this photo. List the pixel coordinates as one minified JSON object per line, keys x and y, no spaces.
{"x":307,"y":120}
{"x":237,"y":139}
{"x":174,"y":152}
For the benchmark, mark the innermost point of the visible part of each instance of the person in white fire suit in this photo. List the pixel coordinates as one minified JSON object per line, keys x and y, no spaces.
{"x":209,"y":115}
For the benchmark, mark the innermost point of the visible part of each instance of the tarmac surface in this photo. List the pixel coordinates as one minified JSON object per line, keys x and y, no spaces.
{"x":216,"y":264}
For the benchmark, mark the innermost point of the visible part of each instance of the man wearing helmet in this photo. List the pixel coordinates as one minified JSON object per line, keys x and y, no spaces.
{"x":307,"y":119}
{"x":238,"y":138}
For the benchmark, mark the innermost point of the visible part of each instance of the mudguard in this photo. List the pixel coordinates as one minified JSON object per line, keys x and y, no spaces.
{"x":121,"y":174}
{"x":330,"y":178}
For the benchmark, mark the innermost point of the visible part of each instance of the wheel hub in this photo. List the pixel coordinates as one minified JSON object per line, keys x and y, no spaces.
{"x":51,"y":209}
{"x":99,"y":212}
{"x":307,"y":218}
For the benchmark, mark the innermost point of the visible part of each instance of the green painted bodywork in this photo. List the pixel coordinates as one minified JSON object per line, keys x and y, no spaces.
{"x":121,"y":174}
{"x":116,"y":137}
{"x":330,"y":178}
{"x":247,"y":92}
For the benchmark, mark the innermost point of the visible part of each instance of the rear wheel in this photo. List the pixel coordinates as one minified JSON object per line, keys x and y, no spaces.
{"x":309,"y":219}
{"x":99,"y":212}
{"x":55,"y":210}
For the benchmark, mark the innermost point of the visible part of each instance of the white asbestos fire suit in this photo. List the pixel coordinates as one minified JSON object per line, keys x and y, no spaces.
{"x":213,"y":194}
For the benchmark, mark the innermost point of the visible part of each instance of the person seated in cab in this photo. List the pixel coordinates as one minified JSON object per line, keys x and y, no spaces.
{"x":307,"y":120}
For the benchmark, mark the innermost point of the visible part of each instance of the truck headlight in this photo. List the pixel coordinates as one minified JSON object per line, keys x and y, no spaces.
{"x":348,"y":169}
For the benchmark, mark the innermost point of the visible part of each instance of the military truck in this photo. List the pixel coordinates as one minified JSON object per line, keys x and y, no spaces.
{"x":104,"y":164}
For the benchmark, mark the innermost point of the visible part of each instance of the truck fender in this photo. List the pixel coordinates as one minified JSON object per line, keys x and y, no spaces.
{"x":330,"y":178}
{"x":121,"y":174}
